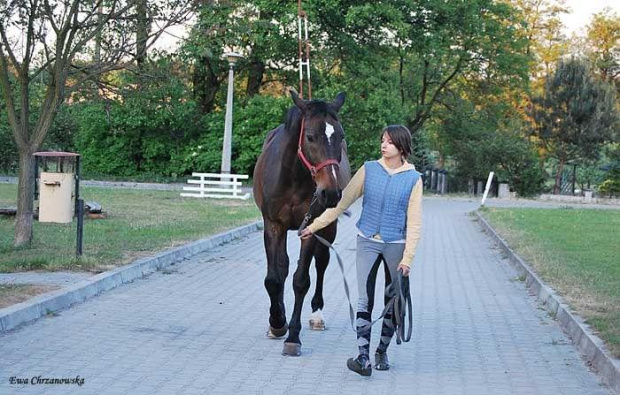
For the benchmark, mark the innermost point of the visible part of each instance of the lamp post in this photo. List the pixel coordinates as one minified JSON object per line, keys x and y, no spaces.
{"x":227,"y":147}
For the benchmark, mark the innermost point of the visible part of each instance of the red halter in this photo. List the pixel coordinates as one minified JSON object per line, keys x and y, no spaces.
{"x":306,"y":162}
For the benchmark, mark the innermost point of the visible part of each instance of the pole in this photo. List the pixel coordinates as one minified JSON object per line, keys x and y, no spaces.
{"x":486,"y":189}
{"x":574,"y":178}
{"x":77,"y":184}
{"x":80,"y":228}
{"x":227,"y":149}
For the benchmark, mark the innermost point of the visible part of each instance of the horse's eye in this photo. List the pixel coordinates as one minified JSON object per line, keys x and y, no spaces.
{"x":310,"y":138}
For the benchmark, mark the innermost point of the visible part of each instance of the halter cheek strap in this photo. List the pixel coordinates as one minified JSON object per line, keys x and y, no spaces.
{"x":300,"y":153}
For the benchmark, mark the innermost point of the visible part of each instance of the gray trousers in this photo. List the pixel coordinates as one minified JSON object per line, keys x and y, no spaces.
{"x":369,"y":256}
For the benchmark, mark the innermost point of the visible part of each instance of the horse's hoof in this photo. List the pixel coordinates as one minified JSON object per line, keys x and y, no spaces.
{"x":274,"y":333}
{"x":317,"y":325}
{"x":291,"y":349}
{"x":316,"y":321}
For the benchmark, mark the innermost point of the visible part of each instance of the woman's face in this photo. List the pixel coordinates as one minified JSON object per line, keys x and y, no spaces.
{"x":388,"y":149}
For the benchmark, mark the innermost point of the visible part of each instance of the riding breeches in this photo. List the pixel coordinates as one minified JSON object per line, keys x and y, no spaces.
{"x":370,"y":254}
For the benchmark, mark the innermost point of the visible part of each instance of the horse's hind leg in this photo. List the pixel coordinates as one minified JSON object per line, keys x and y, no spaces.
{"x":301,"y":284}
{"x":277,"y":271}
{"x":321,"y":260}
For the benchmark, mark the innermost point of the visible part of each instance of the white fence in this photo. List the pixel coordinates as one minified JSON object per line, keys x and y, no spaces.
{"x":211,"y":185}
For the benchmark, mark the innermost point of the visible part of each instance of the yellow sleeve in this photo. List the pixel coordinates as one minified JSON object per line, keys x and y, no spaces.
{"x":414,"y":223}
{"x":353,"y":191}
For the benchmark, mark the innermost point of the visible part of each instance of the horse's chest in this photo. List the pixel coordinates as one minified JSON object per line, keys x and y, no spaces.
{"x":291,"y":213}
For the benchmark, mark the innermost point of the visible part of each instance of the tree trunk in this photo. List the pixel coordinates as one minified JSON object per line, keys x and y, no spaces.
{"x":255,"y":77}
{"x":401,"y":79}
{"x":142,"y":32}
{"x":97,"y":55}
{"x":25,"y":199}
{"x":206,"y":85}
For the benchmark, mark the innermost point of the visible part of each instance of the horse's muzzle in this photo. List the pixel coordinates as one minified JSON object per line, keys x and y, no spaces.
{"x":330,"y":197}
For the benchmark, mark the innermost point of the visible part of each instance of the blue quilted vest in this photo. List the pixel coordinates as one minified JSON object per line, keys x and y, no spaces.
{"x":386,"y":199}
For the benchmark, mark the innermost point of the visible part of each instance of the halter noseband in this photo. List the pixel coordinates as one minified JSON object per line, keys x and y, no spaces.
{"x":305,"y":161}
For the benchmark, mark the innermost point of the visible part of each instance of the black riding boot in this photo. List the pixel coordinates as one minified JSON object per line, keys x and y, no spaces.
{"x":360,"y":365}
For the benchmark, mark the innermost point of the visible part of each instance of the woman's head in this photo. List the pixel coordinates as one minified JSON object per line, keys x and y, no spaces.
{"x":396,"y":139}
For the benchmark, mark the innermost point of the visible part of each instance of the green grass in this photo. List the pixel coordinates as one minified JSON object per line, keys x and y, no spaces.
{"x":138,"y":223}
{"x":577,"y":252}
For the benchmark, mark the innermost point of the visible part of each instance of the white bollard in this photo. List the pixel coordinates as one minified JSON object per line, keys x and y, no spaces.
{"x":486,"y":189}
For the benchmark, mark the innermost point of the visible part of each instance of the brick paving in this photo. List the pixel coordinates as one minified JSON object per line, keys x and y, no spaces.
{"x":199,"y":328}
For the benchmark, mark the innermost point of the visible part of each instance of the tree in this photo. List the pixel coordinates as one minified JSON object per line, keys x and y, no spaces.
{"x":542,"y":28}
{"x":603,"y":45}
{"x":61,"y":34}
{"x":576,"y":115}
{"x":264,"y":31}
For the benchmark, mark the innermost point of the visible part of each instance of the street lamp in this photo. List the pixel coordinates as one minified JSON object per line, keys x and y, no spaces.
{"x":232,"y":58}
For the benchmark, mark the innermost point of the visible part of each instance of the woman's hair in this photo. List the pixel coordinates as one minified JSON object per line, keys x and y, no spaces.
{"x":401,"y":138}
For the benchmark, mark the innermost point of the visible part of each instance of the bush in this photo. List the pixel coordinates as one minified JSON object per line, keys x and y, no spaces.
{"x":519,"y":165}
{"x":250,"y":126}
{"x":610,"y":188}
{"x":8,"y":149}
{"x":141,"y":132}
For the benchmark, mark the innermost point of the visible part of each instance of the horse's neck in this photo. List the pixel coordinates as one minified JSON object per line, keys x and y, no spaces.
{"x":293,"y":171}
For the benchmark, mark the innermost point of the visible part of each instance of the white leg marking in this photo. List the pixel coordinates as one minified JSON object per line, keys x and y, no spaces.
{"x":317,"y":316}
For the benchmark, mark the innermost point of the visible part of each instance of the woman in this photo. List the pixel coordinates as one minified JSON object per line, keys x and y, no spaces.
{"x":389,"y":230}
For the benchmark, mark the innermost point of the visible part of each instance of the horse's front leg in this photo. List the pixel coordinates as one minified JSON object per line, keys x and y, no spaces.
{"x":301,"y":284}
{"x":277,"y":271}
{"x":321,"y":260}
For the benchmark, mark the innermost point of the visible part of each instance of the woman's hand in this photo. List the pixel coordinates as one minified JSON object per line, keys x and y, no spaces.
{"x":305,"y":234}
{"x":405,"y":269}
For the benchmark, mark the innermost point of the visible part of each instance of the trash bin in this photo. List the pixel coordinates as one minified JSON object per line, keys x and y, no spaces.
{"x":58,"y":185}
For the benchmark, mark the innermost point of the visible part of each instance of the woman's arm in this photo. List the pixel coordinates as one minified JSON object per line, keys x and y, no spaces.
{"x":351,"y":193}
{"x":414,"y":224}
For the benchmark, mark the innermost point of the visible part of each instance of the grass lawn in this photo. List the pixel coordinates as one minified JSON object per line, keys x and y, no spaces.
{"x":138,"y":223}
{"x":576,"y":252}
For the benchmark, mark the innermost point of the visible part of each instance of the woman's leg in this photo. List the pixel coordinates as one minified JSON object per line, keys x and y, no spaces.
{"x":392,"y":253}
{"x":368,"y":260}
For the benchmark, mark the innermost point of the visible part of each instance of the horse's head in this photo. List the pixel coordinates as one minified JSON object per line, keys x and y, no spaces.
{"x":320,"y":145}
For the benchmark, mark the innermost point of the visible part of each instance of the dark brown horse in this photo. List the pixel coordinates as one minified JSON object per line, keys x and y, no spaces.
{"x":303,"y":161}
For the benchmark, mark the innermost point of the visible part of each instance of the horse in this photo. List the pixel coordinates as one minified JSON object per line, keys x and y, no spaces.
{"x":301,"y":171}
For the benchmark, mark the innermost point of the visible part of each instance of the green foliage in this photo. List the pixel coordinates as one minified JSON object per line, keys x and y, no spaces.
{"x":479,"y":140}
{"x":250,"y":126}
{"x":519,"y":164}
{"x":59,"y":137}
{"x":610,"y":188}
{"x":140,"y":132}
{"x":577,"y":113}
{"x":260,"y":115}
{"x":8,"y":150}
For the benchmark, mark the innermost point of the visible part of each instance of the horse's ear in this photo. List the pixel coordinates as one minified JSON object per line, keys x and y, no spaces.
{"x":338,"y":101}
{"x":299,"y":102}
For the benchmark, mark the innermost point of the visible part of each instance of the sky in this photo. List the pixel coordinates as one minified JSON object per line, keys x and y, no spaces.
{"x":582,"y":11}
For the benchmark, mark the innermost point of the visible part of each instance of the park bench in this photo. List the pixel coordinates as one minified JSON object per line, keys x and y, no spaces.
{"x":218,"y":186}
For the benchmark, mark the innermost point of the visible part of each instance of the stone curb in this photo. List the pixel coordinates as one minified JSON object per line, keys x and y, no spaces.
{"x":51,"y":302}
{"x":588,"y":344}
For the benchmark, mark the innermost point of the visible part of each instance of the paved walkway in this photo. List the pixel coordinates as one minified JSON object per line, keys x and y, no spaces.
{"x":199,"y":328}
